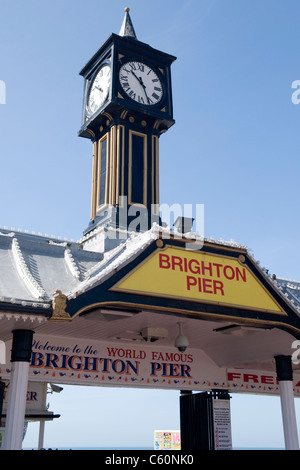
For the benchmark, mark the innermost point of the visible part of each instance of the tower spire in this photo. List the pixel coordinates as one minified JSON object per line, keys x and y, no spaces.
{"x":127,"y":29}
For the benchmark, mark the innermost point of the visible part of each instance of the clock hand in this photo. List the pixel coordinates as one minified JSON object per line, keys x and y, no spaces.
{"x":139,"y":79}
{"x":149,"y":101}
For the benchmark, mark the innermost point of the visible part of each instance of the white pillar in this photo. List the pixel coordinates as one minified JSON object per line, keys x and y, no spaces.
{"x":15,"y":415}
{"x":288,"y":415}
{"x":41,"y":434}
{"x":285,"y":378}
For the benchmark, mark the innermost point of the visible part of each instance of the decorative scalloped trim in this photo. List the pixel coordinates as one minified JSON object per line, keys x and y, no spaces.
{"x":35,"y":289}
{"x":70,"y":262}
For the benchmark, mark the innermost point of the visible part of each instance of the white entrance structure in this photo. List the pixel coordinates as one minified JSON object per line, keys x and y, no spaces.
{"x":105,"y":310}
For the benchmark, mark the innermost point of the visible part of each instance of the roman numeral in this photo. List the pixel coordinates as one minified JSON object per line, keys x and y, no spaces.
{"x":132,"y":94}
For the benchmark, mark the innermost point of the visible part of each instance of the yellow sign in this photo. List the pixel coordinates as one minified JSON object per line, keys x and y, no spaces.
{"x":199,"y":276}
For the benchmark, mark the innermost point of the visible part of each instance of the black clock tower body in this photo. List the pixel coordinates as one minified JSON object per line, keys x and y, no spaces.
{"x":125,"y":132}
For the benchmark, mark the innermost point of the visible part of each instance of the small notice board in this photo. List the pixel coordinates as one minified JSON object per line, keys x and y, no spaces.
{"x":222,"y":425}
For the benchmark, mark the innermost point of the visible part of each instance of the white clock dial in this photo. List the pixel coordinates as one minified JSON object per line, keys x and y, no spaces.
{"x":99,"y":89}
{"x":141,"y":83}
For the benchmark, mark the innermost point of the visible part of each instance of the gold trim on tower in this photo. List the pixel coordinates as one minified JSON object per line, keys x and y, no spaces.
{"x":100,"y":145}
{"x":130,"y":181}
{"x":120,"y":163}
{"x":155,"y":174}
{"x":94,"y":180}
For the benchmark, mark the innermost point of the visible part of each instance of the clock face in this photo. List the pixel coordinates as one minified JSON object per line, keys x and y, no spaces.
{"x":99,"y":89}
{"x":141,"y":83}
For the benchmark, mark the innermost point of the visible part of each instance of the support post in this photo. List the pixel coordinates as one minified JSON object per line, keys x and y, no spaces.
{"x":285,"y":377}
{"x":20,"y":359}
{"x":41,"y":434}
{"x":196,"y":421}
{"x":2,"y":391}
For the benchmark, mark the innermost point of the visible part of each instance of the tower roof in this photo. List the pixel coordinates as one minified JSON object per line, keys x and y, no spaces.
{"x":127,"y":29}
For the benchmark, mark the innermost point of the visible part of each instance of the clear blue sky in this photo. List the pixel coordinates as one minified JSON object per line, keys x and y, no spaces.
{"x":234,"y":148}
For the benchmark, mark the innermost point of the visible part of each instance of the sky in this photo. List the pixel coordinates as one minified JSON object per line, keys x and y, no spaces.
{"x":234,"y":148}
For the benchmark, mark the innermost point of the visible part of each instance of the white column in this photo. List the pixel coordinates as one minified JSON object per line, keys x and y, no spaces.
{"x":15,"y":415}
{"x":41,"y":434}
{"x":289,"y":415}
{"x":285,"y":378}
{"x":16,"y":406}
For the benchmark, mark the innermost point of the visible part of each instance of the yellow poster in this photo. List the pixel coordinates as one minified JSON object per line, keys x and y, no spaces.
{"x":199,"y":276}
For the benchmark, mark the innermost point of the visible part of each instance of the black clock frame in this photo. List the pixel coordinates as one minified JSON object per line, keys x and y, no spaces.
{"x":119,"y":50}
{"x":90,"y":85}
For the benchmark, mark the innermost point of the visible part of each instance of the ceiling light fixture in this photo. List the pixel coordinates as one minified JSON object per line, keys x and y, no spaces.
{"x":181,"y":342}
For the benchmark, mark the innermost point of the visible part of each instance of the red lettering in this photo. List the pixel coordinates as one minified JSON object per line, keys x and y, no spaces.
{"x":196,"y":269}
{"x":207,"y":285}
{"x":229,"y":276}
{"x":176,"y":261}
{"x":169,"y":357}
{"x":233,"y":376}
{"x":267,"y":379}
{"x":191,"y":281}
{"x":251,"y":377}
{"x":121,"y":352}
{"x":246,"y":378}
{"x":112,"y":351}
{"x":164,"y":261}
{"x":241,"y":274}
{"x":218,"y":285}
{"x":206,"y":268}
{"x":218,"y":266}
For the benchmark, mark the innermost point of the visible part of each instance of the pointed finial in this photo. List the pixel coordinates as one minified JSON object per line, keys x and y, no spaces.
{"x":127,"y":29}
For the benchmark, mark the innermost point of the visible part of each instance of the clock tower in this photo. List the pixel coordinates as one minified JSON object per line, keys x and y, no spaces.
{"x":127,"y":105}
